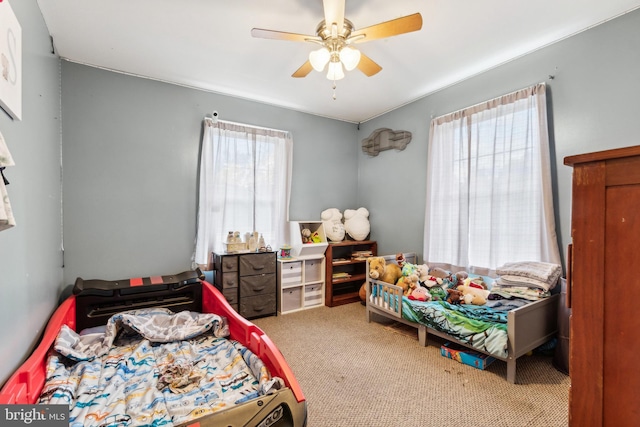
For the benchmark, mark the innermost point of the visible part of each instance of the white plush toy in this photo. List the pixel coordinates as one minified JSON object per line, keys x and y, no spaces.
{"x":356,"y":223}
{"x":333,"y":226}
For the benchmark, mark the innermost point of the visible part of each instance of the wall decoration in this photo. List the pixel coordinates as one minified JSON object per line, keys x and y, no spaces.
{"x":385,"y":139}
{"x":10,"y":62}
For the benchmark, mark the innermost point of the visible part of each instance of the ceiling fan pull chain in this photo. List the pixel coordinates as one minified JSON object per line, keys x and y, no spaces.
{"x":334,"y":90}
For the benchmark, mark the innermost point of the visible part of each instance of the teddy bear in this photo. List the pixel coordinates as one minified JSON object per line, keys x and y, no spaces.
{"x":306,"y":235}
{"x":422,"y":270}
{"x":408,"y":283}
{"x":356,"y":223}
{"x":379,"y":269}
{"x":472,"y":295}
{"x":333,"y":226}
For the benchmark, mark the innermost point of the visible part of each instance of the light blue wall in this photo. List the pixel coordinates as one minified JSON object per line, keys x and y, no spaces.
{"x":130,"y":151}
{"x":30,"y":254}
{"x":593,"y":106}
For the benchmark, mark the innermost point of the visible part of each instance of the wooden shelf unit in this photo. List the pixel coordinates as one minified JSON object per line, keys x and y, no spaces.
{"x":345,"y":290}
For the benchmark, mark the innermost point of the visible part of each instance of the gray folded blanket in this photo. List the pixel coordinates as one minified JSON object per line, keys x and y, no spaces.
{"x":531,"y":272}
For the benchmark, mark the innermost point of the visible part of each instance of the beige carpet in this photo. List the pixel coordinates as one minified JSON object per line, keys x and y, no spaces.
{"x":355,"y":373}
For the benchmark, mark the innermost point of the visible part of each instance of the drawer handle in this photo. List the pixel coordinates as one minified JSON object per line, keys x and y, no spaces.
{"x":229,"y":265}
{"x":258,"y":267}
{"x":258,"y":308}
{"x":259,"y":289}
{"x":231,"y":282}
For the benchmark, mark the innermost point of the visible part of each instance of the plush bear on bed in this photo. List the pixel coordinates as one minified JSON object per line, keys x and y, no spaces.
{"x":379,"y":269}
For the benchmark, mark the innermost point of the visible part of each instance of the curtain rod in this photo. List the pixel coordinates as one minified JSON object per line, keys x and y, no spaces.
{"x":214,"y":118}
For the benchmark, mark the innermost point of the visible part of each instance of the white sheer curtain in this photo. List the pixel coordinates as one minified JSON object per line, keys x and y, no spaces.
{"x":489,"y":195}
{"x":245,"y":182}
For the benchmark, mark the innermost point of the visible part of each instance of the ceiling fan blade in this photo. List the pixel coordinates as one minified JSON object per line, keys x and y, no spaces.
{"x":303,"y":70}
{"x":406,"y":24}
{"x":368,"y":66}
{"x":281,"y":35}
{"x":334,"y":13}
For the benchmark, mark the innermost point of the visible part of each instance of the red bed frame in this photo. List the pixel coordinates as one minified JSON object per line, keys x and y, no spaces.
{"x":286,"y":407}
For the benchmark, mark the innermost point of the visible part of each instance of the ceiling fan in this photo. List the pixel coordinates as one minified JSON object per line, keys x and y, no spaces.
{"x":336,"y":34}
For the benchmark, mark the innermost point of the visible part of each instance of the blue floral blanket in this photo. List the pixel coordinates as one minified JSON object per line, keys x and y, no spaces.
{"x":481,"y":327}
{"x":152,"y":367}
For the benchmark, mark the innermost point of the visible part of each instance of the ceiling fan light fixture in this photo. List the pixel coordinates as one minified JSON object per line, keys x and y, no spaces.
{"x":319,"y":58}
{"x":350,"y":57}
{"x":335,"y":71}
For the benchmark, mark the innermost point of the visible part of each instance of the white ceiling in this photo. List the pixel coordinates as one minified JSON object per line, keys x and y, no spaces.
{"x":207,"y":44}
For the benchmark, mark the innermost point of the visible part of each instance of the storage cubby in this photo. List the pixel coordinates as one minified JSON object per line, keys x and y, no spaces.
{"x":346,"y":270}
{"x":300,"y":248}
{"x":301,"y":283}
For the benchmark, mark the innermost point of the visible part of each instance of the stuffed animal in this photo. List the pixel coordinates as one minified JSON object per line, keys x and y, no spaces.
{"x":356,"y":223}
{"x":306,"y":235}
{"x":422,"y":271}
{"x":420,"y":294}
{"x":409,"y":269}
{"x":438,"y":293}
{"x":454,"y":296}
{"x":473,"y":295}
{"x":408,"y":283}
{"x":438,"y":272}
{"x":379,"y":269}
{"x":333,"y":226}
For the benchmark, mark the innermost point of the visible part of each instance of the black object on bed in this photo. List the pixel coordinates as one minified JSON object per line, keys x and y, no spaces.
{"x":98,"y":300}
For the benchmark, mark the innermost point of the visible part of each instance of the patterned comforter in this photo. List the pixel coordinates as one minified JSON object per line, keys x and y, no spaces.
{"x":152,"y":367}
{"x":481,"y":327}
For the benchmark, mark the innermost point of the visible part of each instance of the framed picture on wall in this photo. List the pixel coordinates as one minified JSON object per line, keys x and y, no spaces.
{"x":10,"y":61}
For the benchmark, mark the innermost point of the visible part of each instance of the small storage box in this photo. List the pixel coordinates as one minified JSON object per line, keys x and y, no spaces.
{"x":466,"y":356}
{"x":291,"y":299}
{"x":291,"y":273}
{"x":313,"y":270}
{"x":312,"y":295}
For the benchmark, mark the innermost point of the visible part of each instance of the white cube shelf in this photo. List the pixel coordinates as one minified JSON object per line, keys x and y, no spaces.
{"x":301,"y":283}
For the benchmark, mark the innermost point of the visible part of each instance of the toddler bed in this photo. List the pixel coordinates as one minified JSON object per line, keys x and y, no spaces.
{"x":157,"y":351}
{"x":505,"y":332}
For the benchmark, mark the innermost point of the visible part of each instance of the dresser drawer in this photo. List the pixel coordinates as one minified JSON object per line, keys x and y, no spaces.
{"x":257,"y":306}
{"x":262,"y":263}
{"x":226,"y":263}
{"x":258,"y":285}
{"x":230,"y":280}
{"x":231,"y":295}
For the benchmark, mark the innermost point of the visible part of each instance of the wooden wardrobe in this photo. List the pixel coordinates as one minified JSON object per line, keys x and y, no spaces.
{"x":604,"y":289}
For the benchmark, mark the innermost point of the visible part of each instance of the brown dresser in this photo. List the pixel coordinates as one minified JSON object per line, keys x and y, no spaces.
{"x":603,"y":282}
{"x":248,"y":282}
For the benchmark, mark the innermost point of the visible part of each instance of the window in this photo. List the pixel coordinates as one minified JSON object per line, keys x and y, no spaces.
{"x":245,"y":181}
{"x":489,"y":197}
